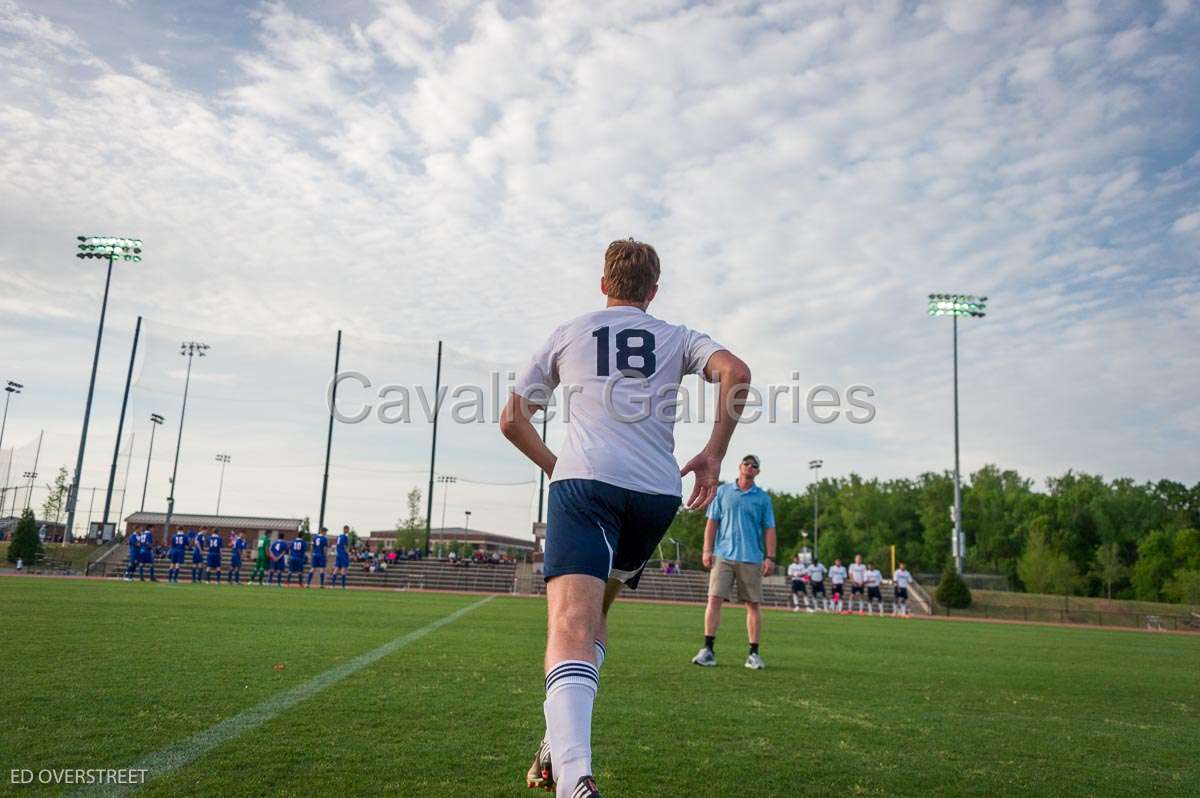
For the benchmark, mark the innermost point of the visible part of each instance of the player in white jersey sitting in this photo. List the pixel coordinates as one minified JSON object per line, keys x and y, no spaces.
{"x":858,"y":581}
{"x":797,"y":572}
{"x":874,"y":580}
{"x":615,"y":486}
{"x":816,"y":583}
{"x":837,"y":584}
{"x":901,"y":579}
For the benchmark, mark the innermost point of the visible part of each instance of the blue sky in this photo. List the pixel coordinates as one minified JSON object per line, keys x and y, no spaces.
{"x":409,"y":172}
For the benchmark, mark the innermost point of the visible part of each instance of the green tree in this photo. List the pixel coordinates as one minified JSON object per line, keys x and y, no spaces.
{"x":1155,"y":563}
{"x":305,"y":526}
{"x":1046,"y":570}
{"x":56,"y":497}
{"x":1109,"y":568}
{"x":410,"y":531}
{"x":952,"y":591}
{"x":1184,"y":587}
{"x":25,"y":544}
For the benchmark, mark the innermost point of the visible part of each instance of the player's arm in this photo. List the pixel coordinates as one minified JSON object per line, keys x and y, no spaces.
{"x":515,"y":424}
{"x":710,"y":537}
{"x":769,"y":542}
{"x":733,"y":378}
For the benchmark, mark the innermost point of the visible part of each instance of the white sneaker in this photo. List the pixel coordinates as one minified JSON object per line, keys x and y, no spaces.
{"x":795,"y":609}
{"x":755,"y":663}
{"x":705,"y":658}
{"x":810,"y":609}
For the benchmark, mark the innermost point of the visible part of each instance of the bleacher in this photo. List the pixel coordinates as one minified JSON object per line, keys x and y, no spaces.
{"x":400,"y":575}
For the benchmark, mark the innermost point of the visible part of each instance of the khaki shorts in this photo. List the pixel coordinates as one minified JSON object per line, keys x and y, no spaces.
{"x":748,"y":576}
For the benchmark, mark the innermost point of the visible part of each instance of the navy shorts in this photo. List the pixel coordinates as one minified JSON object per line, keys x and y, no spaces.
{"x":176,"y":556}
{"x":196,"y":558}
{"x":604,"y":531}
{"x":902,"y":593}
{"x":214,"y":558}
{"x":318,"y":561}
{"x":818,"y":588}
{"x":342,"y":561}
{"x":873,"y":593}
{"x":277,"y":565}
{"x":295,"y":565}
{"x":235,"y":560}
{"x":797,"y":585}
{"x":146,"y":557}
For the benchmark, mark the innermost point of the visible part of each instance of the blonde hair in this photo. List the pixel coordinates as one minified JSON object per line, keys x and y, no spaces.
{"x":631,"y":270}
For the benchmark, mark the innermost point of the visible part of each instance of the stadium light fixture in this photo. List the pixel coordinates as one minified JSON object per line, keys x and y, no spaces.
{"x":31,"y":476}
{"x":815,"y":467}
{"x":190,"y":350}
{"x":10,"y":388}
{"x":955,"y":306}
{"x":112,"y":249}
{"x":447,"y":481}
{"x":223,"y":459}
{"x":155,"y":421}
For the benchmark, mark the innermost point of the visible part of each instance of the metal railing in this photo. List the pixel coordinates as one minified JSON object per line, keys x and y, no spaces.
{"x":1080,"y":617}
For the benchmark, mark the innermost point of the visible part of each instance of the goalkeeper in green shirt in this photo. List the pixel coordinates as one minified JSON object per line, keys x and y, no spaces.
{"x":260,"y":562}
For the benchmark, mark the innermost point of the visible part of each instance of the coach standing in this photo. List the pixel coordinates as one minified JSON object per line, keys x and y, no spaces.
{"x":739,"y":547}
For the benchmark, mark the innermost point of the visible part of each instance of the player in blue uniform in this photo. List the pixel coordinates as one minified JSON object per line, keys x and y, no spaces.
{"x":214,"y":557}
{"x":178,"y":544}
{"x":296,"y":559}
{"x":237,"y":544}
{"x":341,"y":562}
{"x":134,"y":541}
{"x":197,"y":540}
{"x":277,"y":553}
{"x":146,"y":556}
{"x":320,"y":542}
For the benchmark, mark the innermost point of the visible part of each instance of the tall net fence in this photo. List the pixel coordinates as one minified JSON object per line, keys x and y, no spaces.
{"x":265,"y":403}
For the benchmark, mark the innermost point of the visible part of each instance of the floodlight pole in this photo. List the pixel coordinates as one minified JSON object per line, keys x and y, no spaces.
{"x":437,"y":405}
{"x":10,"y":389}
{"x":815,"y":465}
{"x":223,"y":459}
{"x":446,"y":482}
{"x":155,"y":421}
{"x":112,"y":473}
{"x":337,"y":359}
{"x":34,"y":473}
{"x":189,"y":349}
{"x":73,"y":493}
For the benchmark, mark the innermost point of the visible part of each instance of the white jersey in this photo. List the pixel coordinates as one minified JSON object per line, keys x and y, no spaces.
{"x":858,"y":573}
{"x":874,"y":578}
{"x":902,"y":578}
{"x":816,"y":572}
{"x":620,"y":369}
{"x":797,"y":570}
{"x":837,"y":574}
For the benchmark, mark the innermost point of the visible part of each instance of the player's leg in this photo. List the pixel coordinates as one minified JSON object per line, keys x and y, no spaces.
{"x":753,"y":630}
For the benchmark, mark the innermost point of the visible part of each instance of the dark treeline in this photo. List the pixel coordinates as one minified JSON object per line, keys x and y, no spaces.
{"x":1081,"y":536}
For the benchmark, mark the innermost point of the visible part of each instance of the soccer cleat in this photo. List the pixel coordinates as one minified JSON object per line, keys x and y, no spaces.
{"x":541,"y":772}
{"x":705,"y":658}
{"x":586,"y":788}
{"x":755,"y":663}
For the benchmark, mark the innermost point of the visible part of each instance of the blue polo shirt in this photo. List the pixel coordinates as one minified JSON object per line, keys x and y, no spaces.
{"x":742,"y":516}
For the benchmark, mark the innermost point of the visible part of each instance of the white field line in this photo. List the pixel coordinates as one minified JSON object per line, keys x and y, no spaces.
{"x":174,"y":757}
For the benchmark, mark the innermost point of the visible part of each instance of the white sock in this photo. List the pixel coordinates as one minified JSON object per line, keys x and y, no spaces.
{"x":570,"y":693}
{"x":601,"y":650}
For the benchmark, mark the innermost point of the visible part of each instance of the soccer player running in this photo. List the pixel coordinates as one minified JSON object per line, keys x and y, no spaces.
{"x":796,"y":573}
{"x":296,"y":559}
{"x":179,"y":542}
{"x":874,"y":595}
{"x":858,"y":580}
{"x":237,"y":545}
{"x":837,"y":584}
{"x":615,"y":486}
{"x":741,"y":524}
{"x":277,"y":553}
{"x":341,"y":559}
{"x":901,"y":578}
{"x":320,"y":542}
{"x":214,"y":557}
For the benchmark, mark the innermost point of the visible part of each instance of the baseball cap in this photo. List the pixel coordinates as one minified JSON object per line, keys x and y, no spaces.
{"x":754,"y":459}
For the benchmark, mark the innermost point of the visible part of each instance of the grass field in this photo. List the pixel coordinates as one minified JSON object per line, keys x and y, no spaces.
{"x":109,"y":674}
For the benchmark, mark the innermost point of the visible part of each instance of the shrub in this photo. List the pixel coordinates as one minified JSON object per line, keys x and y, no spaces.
{"x":25,"y":544}
{"x":952,"y":591}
